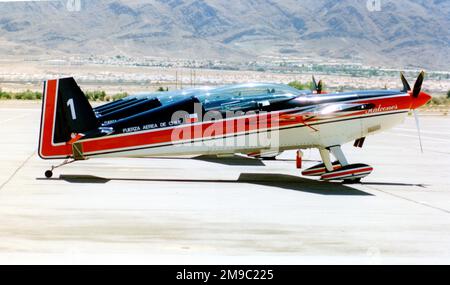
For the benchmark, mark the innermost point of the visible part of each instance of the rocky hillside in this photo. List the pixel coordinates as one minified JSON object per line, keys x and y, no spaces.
{"x":404,"y":33}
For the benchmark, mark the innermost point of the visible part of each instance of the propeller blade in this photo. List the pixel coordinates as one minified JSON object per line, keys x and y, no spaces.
{"x":418,"y":85}
{"x":320,"y":87}
{"x":314,"y":83}
{"x":416,"y":117}
{"x":406,"y":86}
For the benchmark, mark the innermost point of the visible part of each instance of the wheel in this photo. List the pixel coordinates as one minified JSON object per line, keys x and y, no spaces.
{"x":48,"y":174}
{"x":352,"y":181}
{"x":268,"y":158}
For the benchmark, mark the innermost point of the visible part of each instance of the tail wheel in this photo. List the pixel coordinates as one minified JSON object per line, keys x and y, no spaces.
{"x":49,"y":174}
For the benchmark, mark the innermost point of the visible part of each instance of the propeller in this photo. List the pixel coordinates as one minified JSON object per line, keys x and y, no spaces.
{"x":318,"y":87}
{"x":406,"y":86}
{"x":417,"y":85}
{"x":415,"y":94}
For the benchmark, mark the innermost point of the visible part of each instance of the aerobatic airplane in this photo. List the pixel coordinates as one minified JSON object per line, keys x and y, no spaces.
{"x":259,"y":120}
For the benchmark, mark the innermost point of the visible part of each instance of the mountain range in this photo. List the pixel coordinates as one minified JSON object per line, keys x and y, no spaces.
{"x":397,"y":33}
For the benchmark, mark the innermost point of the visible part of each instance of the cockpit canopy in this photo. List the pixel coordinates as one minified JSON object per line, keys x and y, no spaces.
{"x":232,"y":98}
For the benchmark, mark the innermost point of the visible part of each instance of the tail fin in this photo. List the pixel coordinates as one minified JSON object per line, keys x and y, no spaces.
{"x":74,"y":114}
{"x":65,"y":112}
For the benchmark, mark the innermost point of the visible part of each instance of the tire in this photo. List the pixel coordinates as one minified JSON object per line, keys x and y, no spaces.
{"x":352,"y":181}
{"x":268,"y":158}
{"x":48,"y":174}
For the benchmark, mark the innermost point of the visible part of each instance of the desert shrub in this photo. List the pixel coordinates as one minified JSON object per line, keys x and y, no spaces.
{"x":25,"y":95}
{"x":298,"y":85}
{"x":119,"y":96}
{"x":162,"y":89}
{"x":17,"y":96}
{"x":95,"y":95}
{"x":5,"y":95}
{"x":301,"y":86}
{"x":28,"y":95}
{"x":438,"y":100}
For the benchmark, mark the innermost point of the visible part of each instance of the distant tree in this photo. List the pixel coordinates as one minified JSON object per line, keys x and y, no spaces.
{"x":162,"y":89}
{"x":448,"y":94}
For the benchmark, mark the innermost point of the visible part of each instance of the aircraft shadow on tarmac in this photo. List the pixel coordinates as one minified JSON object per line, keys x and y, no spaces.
{"x":242,"y":160}
{"x":283,"y":181}
{"x":232,"y":160}
{"x":235,"y":160}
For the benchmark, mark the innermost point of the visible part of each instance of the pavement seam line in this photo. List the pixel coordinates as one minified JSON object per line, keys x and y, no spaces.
{"x":17,"y":170}
{"x":14,"y":118}
{"x":411,"y":200}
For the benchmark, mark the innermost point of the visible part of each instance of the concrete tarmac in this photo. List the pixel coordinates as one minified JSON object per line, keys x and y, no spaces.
{"x":222,"y":211}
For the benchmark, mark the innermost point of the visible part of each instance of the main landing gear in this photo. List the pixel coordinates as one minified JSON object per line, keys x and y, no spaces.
{"x":339,"y":169}
{"x":49,"y":173}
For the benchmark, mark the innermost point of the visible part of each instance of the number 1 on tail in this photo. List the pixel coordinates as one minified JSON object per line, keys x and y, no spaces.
{"x":71,"y":104}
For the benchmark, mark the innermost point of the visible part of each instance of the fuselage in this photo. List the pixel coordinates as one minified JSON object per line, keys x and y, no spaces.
{"x":238,"y":118}
{"x":390,"y":109}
